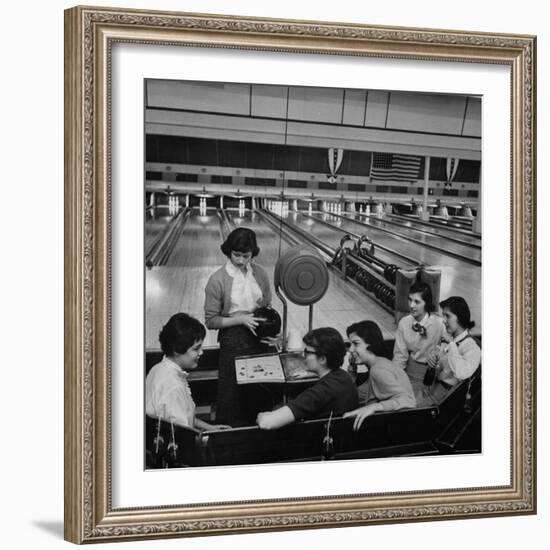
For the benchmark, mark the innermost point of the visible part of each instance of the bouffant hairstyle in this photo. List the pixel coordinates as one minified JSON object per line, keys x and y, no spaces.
{"x":371,"y":334}
{"x":241,"y":239}
{"x":426,"y":293}
{"x":458,"y":306}
{"x":328,"y":343}
{"x":180,"y":333}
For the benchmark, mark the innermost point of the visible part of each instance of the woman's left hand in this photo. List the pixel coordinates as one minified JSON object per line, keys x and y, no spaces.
{"x":274,"y":341}
{"x":362,"y":413}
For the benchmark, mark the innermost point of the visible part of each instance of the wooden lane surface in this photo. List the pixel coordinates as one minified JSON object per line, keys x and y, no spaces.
{"x":435,"y":229}
{"x":420,"y":237}
{"x":458,"y":278}
{"x":173,"y":289}
{"x":199,"y":244}
{"x":333,"y":235}
{"x":154,"y":226}
{"x":451,"y":223}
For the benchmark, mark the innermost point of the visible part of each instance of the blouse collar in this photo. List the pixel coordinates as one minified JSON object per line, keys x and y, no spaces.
{"x":423,"y":321}
{"x":234,"y":271}
{"x":174,"y":366}
{"x":460,"y":337}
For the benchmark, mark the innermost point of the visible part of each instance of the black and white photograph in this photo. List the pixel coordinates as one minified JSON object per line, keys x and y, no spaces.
{"x":313,"y":273}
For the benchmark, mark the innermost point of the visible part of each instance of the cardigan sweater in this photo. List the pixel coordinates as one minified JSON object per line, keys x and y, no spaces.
{"x":408,"y":342}
{"x":217,"y":301}
{"x":389,"y":385}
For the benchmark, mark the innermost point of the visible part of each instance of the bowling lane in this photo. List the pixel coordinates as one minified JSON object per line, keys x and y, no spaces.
{"x":458,"y":278}
{"x":199,"y":243}
{"x":420,"y":237}
{"x":154,"y":226}
{"x":331,"y":235}
{"x":395,"y":242}
{"x":271,"y":246}
{"x":179,"y":286}
{"x":451,"y":223}
{"x":471,"y":239}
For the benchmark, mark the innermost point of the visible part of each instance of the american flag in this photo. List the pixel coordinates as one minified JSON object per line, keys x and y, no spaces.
{"x":390,"y":166}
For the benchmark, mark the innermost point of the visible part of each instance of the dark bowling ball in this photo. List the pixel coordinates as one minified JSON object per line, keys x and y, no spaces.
{"x":272,"y":324}
{"x":369,"y":282}
{"x":351,"y":269}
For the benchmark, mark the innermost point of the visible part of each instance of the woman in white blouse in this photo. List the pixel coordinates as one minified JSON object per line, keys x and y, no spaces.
{"x":459,"y":354}
{"x":417,"y":335}
{"x":232,"y":294}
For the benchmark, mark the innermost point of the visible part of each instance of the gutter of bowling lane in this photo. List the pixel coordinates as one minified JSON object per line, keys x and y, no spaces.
{"x":357,"y":236}
{"x":398,"y":236}
{"x":283,"y":231}
{"x":304,"y":235}
{"x":411,"y":228}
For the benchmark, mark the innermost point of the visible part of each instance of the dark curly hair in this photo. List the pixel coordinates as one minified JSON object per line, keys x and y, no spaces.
{"x":180,"y":333}
{"x":426,"y":293}
{"x":371,"y":334}
{"x":458,"y":306}
{"x":241,"y":239}
{"x":328,"y":343}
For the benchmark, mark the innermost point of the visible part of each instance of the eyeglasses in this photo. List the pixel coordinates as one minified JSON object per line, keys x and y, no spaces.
{"x":307,"y":352}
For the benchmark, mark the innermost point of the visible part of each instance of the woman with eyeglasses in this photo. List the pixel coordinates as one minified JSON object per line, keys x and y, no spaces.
{"x":334,"y":393}
{"x":417,"y":335}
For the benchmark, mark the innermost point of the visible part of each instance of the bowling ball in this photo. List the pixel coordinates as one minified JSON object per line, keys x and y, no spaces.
{"x":369,"y":283}
{"x":272,"y":324}
{"x":351,"y":270}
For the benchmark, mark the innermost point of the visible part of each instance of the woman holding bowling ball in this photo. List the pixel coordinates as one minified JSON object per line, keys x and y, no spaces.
{"x":233,"y":293}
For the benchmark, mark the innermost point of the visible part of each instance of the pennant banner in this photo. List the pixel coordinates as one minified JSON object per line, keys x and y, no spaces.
{"x":335,"y":157}
{"x":452,"y":167}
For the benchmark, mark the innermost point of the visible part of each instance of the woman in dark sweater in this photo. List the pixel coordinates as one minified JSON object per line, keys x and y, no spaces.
{"x":334,"y":393}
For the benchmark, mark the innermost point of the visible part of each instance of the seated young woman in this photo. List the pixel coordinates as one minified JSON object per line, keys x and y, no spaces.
{"x":457,"y":357}
{"x":417,"y":334}
{"x":334,"y":393}
{"x":388,"y":387}
{"x":167,"y":392}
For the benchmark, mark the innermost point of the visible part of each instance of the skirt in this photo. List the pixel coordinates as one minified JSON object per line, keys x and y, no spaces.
{"x":425,"y":395}
{"x":239,"y":405}
{"x":416,"y":372}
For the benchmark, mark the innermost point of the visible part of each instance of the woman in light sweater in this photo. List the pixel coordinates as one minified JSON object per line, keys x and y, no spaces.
{"x":417,"y":335}
{"x":233,"y":292}
{"x":388,"y":387}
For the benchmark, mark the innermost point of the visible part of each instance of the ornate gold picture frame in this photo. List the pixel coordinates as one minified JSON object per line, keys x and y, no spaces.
{"x":90,"y":35}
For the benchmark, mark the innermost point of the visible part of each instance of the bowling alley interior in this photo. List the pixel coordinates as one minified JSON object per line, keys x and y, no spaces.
{"x":355,"y":199}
